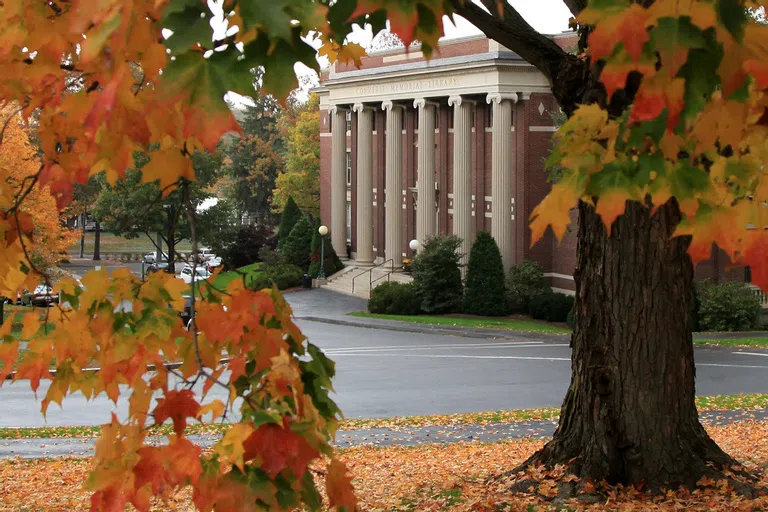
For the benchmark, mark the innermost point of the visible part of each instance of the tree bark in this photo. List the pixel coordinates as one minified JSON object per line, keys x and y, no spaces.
{"x":629,"y":415}
{"x":97,"y":242}
{"x":82,"y":235}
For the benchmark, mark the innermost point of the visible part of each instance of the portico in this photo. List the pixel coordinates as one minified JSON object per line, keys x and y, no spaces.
{"x":451,"y":145}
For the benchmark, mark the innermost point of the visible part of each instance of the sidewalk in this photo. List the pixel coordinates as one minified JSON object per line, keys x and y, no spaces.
{"x":409,"y":436}
{"x":326,"y":306}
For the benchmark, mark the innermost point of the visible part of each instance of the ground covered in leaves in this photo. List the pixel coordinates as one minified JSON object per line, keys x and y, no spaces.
{"x":426,"y":478}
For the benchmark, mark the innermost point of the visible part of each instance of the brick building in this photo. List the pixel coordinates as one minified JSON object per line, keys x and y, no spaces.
{"x":474,"y":126}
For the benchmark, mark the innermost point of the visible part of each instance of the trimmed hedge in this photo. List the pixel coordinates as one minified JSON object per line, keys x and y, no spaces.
{"x":727,"y":307}
{"x":524,"y":281}
{"x":297,"y":247}
{"x":283,"y":276}
{"x":437,"y":277}
{"x":484,"y":293}
{"x":394,"y":299}
{"x":551,"y":306}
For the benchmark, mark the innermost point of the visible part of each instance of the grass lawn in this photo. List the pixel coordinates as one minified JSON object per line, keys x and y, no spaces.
{"x":111,"y":244}
{"x":733,"y":342}
{"x":223,"y":279}
{"x":485,"y":323}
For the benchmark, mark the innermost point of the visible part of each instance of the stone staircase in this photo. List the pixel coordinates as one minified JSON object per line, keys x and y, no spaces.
{"x":341,"y":281}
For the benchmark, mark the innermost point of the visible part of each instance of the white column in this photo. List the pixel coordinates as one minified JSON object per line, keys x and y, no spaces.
{"x":339,"y":181}
{"x":394,"y":184}
{"x":425,"y":177}
{"x":364,"y":184}
{"x":502,"y":175}
{"x":462,"y":172}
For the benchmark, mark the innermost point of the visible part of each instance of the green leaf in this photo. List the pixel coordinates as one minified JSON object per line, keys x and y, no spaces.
{"x":190,"y":23}
{"x":278,"y":58}
{"x":614,"y":175}
{"x":309,"y":494}
{"x":685,"y":180}
{"x":270,"y":15}
{"x":733,"y":16}
{"x":209,"y":79}
{"x":701,"y":78}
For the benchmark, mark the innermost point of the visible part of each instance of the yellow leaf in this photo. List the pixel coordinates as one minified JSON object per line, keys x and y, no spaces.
{"x":216,"y":408}
{"x":167,"y":166}
{"x":554,"y":210}
{"x":30,"y":324}
{"x":610,"y":205}
{"x":230,"y":449}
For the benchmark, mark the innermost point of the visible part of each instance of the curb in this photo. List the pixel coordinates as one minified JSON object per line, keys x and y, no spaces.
{"x":467,"y":332}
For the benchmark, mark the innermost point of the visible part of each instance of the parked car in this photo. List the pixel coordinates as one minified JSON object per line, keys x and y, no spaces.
{"x":213,"y":263}
{"x":157,"y":267}
{"x":204,"y":254}
{"x":152,"y":257}
{"x":41,"y":296}
{"x":200,"y":274}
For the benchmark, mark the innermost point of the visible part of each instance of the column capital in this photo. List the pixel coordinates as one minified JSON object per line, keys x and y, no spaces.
{"x":359,"y":107}
{"x":423,"y":102}
{"x":390,"y":105}
{"x":337,"y":108}
{"x":498,"y":97}
{"x":456,"y":100}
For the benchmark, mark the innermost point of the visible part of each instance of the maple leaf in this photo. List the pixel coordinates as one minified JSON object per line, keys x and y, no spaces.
{"x":338,"y":486}
{"x":231,"y":447}
{"x":178,"y":406}
{"x":167,"y":166}
{"x":627,"y":26}
{"x":554,"y":210}
{"x":278,"y":447}
{"x":9,"y":353}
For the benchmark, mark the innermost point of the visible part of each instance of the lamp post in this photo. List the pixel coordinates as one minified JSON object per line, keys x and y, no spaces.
{"x":323,"y":230}
{"x":414,"y":245}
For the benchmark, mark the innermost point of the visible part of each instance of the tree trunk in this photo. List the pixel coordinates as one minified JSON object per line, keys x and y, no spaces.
{"x":172,"y":246}
{"x":629,"y":415}
{"x":97,"y":242}
{"x":82,"y":235}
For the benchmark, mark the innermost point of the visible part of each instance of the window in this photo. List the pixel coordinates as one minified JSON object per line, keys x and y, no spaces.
{"x":349,"y":120}
{"x":349,"y":167}
{"x":349,"y":222}
{"x":450,"y":119}
{"x":489,"y":116}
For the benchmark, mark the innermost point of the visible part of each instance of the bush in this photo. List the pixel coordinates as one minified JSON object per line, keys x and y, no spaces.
{"x":484,"y":293}
{"x":297,"y":247}
{"x":248,"y":242}
{"x":524,"y":281}
{"x":571,"y":318}
{"x":551,"y":306}
{"x":394,"y":299}
{"x":436,"y":275}
{"x":727,"y":307}
{"x":270,"y":257}
{"x":283,"y":276}
{"x":288,"y":219}
{"x":331,"y":261}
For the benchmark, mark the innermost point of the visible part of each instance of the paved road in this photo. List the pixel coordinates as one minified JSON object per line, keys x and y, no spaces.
{"x":383,"y":373}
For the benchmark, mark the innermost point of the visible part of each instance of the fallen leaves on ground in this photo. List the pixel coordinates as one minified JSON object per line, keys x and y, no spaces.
{"x":424,"y":478}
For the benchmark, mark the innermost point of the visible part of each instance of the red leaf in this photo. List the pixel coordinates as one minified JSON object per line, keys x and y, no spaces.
{"x":279,"y":448}
{"x":178,"y":406}
{"x":627,"y":27}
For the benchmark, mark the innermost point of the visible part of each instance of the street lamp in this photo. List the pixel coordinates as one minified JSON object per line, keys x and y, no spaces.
{"x":414,"y":245}
{"x":323,"y":230}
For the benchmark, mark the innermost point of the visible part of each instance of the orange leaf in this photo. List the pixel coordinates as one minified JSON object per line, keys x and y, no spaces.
{"x":338,"y":485}
{"x":610,"y":205}
{"x":626,"y":27}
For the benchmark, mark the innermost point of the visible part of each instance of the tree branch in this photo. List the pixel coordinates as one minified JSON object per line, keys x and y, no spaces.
{"x":515,"y":33}
{"x":575,"y":6}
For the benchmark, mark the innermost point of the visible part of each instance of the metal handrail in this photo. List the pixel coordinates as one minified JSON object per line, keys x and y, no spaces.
{"x":370,"y":272}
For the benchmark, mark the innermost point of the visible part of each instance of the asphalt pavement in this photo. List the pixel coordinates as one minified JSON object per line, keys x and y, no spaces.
{"x":384,"y":373}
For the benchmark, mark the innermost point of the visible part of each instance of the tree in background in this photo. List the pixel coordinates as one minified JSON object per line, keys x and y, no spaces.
{"x":248,"y":243}
{"x":300,"y":177}
{"x":298,"y":244}
{"x":484,"y":293}
{"x":19,"y":161}
{"x":82,"y":206}
{"x":134,"y":207}
{"x":252,"y":161}
{"x":290,"y":216}
{"x":437,"y":275}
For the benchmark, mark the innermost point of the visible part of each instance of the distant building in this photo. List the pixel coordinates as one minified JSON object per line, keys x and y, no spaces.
{"x":472,"y":130}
